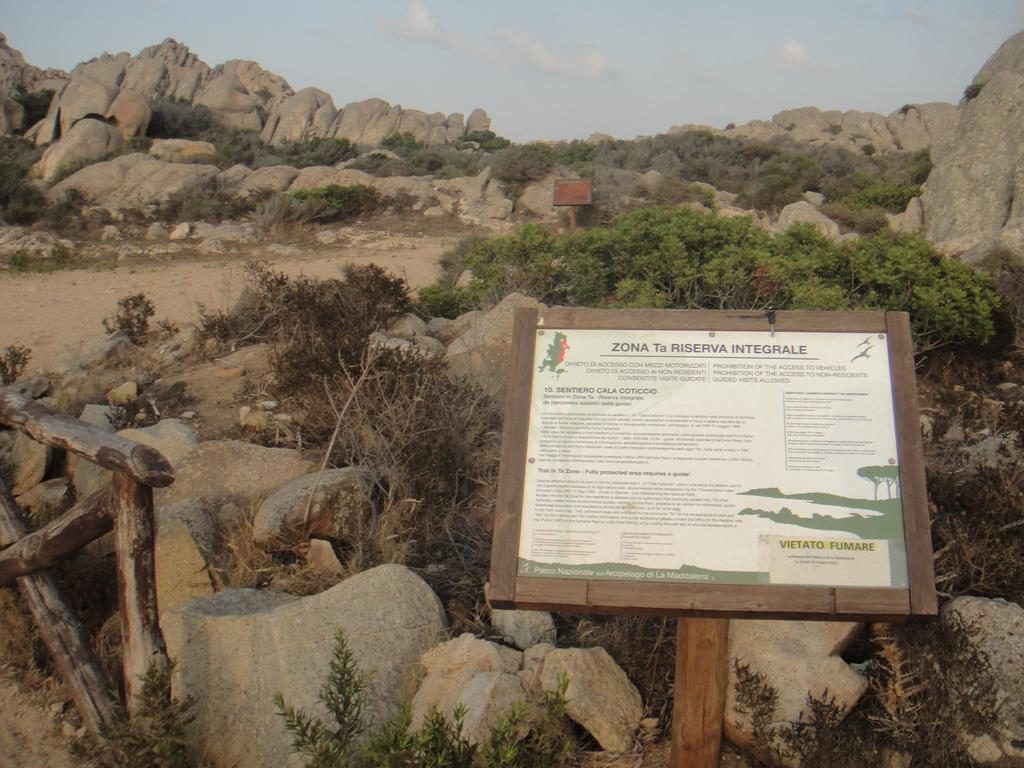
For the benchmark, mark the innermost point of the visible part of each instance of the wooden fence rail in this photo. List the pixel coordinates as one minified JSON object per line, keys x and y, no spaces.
{"x":126,"y":507}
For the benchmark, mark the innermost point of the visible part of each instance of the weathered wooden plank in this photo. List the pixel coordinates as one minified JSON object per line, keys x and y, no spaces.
{"x":508,"y":507}
{"x":134,"y":535}
{"x":84,"y":522}
{"x":713,"y":320}
{"x":892,"y":603}
{"x":913,"y":489}
{"x":61,"y":632}
{"x":140,"y":462}
{"x":698,"y":708}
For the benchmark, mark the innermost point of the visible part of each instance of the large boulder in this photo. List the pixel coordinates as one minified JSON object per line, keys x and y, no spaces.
{"x":183,"y":151}
{"x":797,"y":659}
{"x":186,"y":547}
{"x":230,"y":102}
{"x":599,"y":695}
{"x":83,"y":96}
{"x":476,"y":674}
{"x":223,"y":470}
{"x":969,"y":199}
{"x":240,"y":647}
{"x":87,"y":141}
{"x":130,"y":114}
{"x":366,"y":122}
{"x":335,"y":503}
{"x":29,"y":459}
{"x":481,"y":353}
{"x":135,"y":180}
{"x":300,"y":117}
{"x":923,"y":126}
{"x":995,"y":632}
{"x":274,"y":178}
{"x":476,"y":200}
{"x":803,"y":212}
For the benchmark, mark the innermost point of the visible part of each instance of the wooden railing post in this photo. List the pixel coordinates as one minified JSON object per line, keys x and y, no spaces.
{"x":134,"y":534}
{"x":61,"y":632}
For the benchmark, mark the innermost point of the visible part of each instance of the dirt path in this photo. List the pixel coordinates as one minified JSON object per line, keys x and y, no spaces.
{"x":28,"y":738}
{"x":55,"y":311}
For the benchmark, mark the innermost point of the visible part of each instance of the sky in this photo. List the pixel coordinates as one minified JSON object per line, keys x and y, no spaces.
{"x":559,"y":69}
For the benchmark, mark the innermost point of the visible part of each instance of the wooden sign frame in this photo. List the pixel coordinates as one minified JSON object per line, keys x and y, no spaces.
{"x":508,"y":589}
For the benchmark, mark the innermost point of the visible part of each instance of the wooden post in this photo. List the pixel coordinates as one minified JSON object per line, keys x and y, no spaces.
{"x":84,"y":522}
{"x":61,"y":632}
{"x":134,"y":533}
{"x":572,"y":218}
{"x":699,"y":700}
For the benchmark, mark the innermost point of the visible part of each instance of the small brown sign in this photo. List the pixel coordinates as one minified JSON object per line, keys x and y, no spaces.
{"x":573,"y":192}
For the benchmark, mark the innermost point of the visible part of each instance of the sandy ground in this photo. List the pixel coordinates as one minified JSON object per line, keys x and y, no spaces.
{"x":52,"y":312}
{"x":55,"y":312}
{"x":28,"y":738}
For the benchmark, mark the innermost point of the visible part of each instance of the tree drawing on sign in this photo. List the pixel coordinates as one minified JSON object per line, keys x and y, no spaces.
{"x":873,"y":519}
{"x":889,"y":475}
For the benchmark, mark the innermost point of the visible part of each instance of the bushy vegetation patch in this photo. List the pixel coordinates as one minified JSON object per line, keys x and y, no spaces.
{"x":689,"y":260}
{"x":36,"y":104}
{"x":20,"y":201}
{"x":431,"y":442}
{"x":442,"y":162}
{"x":337,"y":202}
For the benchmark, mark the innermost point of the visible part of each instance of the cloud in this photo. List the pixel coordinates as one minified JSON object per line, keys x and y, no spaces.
{"x":587,"y":65}
{"x":793,"y":54}
{"x":417,"y":23}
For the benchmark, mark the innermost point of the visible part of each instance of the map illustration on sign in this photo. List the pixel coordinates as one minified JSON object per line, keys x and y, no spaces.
{"x":694,"y":456}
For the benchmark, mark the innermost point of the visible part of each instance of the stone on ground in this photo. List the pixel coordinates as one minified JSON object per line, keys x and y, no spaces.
{"x":995,"y":631}
{"x":524,"y":629}
{"x":238,"y":648}
{"x":798,"y":659}
{"x":338,"y":510}
{"x":600,"y":697}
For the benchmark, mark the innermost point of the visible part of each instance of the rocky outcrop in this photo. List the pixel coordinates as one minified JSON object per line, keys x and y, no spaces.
{"x":973,"y":198}
{"x":994,"y":632}
{"x":796,"y":659}
{"x":481,"y":352}
{"x":913,"y":127}
{"x":334,"y":503}
{"x":222,"y":470}
{"x":135,"y":180}
{"x":87,"y":141}
{"x":301,"y":117}
{"x":240,"y":647}
{"x":476,"y":674}
{"x":804,"y":213}
{"x":599,"y":695}
{"x":183,"y":151}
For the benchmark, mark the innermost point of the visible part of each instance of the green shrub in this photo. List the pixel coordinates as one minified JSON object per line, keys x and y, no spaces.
{"x":178,"y":119}
{"x":519,"y":165}
{"x":316,"y":151}
{"x":205,"y":202}
{"x":13,"y":362}
{"x":863,"y":220}
{"x":329,"y":746}
{"x":155,"y":737}
{"x":973,"y":90}
{"x":341,"y":202}
{"x":685,"y":259}
{"x":889,"y":197}
{"x":132,"y":317}
{"x":36,"y":104}
{"x":20,"y":201}
{"x":488,"y":141}
{"x":402,"y":143}
{"x":442,"y":301}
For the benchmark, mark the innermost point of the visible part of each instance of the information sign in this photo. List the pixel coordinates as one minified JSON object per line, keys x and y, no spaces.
{"x":713,"y":463}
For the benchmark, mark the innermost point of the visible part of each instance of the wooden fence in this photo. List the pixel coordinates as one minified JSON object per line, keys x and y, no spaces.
{"x":126,"y":507}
